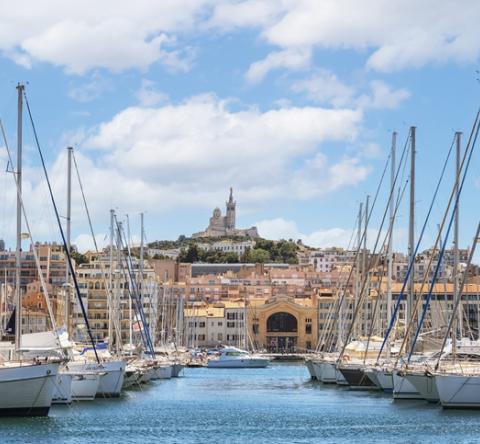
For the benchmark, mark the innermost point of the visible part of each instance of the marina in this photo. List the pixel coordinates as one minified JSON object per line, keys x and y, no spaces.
{"x":275,"y":404}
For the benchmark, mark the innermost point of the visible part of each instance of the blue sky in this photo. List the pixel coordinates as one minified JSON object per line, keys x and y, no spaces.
{"x":292,"y":103}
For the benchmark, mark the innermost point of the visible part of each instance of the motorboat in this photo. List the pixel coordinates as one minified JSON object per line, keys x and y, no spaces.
{"x":232,"y":357}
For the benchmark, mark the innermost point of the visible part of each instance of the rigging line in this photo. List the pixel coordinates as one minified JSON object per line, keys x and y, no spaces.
{"x":460,"y":293}
{"x":338,"y":287}
{"x":412,"y":260}
{"x":386,"y":241}
{"x":34,"y":250}
{"x":442,"y":251}
{"x":340,"y":300}
{"x":107,"y":285}
{"x":69,"y":258}
{"x":373,"y":261}
{"x":137,"y":302}
{"x":372,"y":265}
{"x":468,"y":151}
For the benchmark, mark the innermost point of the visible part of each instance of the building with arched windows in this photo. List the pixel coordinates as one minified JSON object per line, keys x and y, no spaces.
{"x":284,"y":324}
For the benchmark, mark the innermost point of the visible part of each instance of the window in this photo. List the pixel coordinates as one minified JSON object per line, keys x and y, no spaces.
{"x":255,"y":329}
{"x":230,"y":324}
{"x":201,"y":337}
{"x":220,"y":324}
{"x":201,"y":324}
{"x":308,"y":329}
{"x":220,"y":336}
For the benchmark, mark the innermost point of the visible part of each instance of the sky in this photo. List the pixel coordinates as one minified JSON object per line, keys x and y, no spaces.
{"x":292,"y":103}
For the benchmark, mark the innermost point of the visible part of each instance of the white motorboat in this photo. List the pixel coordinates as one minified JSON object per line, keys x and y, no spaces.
{"x":26,"y":389}
{"x":62,"y":393}
{"x":232,"y":357}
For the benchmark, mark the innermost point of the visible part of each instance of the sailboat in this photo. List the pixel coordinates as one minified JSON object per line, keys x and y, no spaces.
{"x":26,"y":386}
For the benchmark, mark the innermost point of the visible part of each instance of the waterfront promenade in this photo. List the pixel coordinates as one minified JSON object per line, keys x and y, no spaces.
{"x":276,"y":404}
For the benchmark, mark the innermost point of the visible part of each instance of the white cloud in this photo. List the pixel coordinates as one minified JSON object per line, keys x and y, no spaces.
{"x":178,"y":156}
{"x":90,"y":90}
{"x":90,"y":35}
{"x":148,"y":95}
{"x":382,"y":96}
{"x":323,"y":86}
{"x":280,"y":228}
{"x":290,"y":59}
{"x":393,"y":34}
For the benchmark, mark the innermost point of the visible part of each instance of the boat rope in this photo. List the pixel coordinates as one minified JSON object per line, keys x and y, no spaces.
{"x":97,"y":250}
{"x":57,"y":215}
{"x":468,"y":151}
{"x":412,"y":259}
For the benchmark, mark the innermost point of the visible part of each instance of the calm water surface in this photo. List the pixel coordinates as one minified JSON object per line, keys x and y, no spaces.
{"x":277,"y":404}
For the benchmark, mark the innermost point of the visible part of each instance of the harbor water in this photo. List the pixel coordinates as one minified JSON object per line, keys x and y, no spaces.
{"x":276,"y":404}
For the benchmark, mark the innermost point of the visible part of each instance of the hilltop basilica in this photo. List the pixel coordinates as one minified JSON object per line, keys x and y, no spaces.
{"x":225,"y":225}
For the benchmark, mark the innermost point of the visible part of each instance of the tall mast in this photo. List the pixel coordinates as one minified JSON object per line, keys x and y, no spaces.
{"x":110,"y":283}
{"x":68,"y":234}
{"x":357,"y":280}
{"x":364,"y":267}
{"x":18,"y":251}
{"x":459,"y":321}
{"x":411,"y":233}
{"x":390,"y":234}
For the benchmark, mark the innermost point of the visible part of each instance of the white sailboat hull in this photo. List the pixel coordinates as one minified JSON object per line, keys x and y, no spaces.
{"x":163,"y":372}
{"x":317,"y":369}
{"x":403,"y":389}
{"x":311,"y":370}
{"x":458,"y":391}
{"x":85,"y":385}
{"x":372,"y":375}
{"x":340,"y":379}
{"x":329,"y":373}
{"x":62,"y":393}
{"x":425,"y":385}
{"x":111,"y":382}
{"x":27,"y":390}
{"x":385,"y":380}
{"x":176,"y":369}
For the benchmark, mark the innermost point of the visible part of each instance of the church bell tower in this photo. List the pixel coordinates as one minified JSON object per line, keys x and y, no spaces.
{"x":230,"y":218}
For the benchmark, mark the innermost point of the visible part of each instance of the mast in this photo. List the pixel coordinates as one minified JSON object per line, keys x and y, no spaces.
{"x":357,"y":280}
{"x":390,"y":234}
{"x":110,"y":283}
{"x":364,"y":267}
{"x":68,"y":234}
{"x":411,"y":233}
{"x":458,"y":330}
{"x":18,"y":251}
